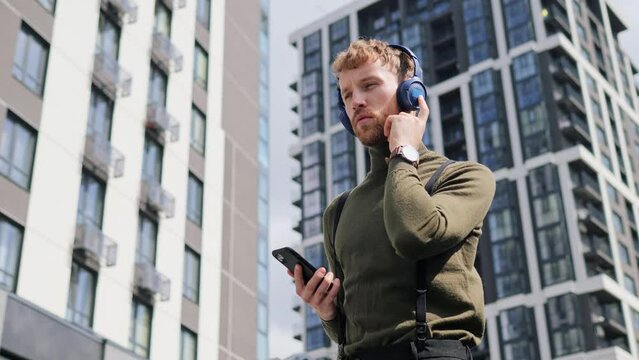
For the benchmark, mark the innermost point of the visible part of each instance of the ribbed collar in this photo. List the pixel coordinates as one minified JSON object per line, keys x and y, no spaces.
{"x":379,"y":155}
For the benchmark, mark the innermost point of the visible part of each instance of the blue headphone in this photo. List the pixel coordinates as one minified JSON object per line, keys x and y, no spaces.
{"x":407,"y":92}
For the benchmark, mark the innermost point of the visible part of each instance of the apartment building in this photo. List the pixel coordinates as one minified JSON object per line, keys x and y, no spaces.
{"x":541,"y":93}
{"x":133,"y":169}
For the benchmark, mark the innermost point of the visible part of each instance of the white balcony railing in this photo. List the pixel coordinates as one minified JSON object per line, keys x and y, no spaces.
{"x":90,"y":238}
{"x":158,"y":118}
{"x":175,"y":4}
{"x":103,"y":155}
{"x":167,"y":54}
{"x":157,"y":198}
{"x":127,"y":9}
{"x":149,"y":280}
{"x":107,"y":71}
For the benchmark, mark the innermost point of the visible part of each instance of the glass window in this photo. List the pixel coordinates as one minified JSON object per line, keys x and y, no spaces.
{"x":188,"y":345}
{"x":262,"y":346}
{"x":91,"y":202}
{"x":81,"y":295}
{"x":612,"y":193}
{"x":30,"y":60}
{"x":17,"y":149}
{"x":200,"y":66}
{"x":48,"y":4}
{"x":152,"y":160}
{"x":313,"y":203}
{"x":100,"y":114}
{"x":517,"y":327}
{"x":191,"y":284}
{"x":565,"y":333}
{"x":157,"y":86}
{"x":147,"y":239}
{"x":315,"y":255}
{"x":524,"y":66}
{"x":482,"y":83}
{"x":629,"y":284}
{"x":140,"y":328}
{"x":313,"y":226}
{"x":624,"y":255}
{"x":203,"y":12}
{"x":108,"y":42}
{"x":198,"y":130}
{"x":162,"y":23}
{"x":10,"y":247}
{"x":194,"y":201}
{"x":617,"y":222}
{"x":313,"y":153}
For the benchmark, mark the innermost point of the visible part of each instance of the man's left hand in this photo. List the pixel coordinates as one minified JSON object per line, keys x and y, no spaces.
{"x":406,"y":128}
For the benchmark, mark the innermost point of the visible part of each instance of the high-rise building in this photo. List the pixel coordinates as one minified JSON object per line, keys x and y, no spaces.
{"x":540,"y":92}
{"x":133,"y":169}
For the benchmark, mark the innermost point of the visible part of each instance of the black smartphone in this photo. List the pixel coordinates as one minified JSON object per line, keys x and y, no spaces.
{"x":289,"y":258}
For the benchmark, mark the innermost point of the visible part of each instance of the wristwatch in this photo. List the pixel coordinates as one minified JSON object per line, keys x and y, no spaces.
{"x":406,"y":153}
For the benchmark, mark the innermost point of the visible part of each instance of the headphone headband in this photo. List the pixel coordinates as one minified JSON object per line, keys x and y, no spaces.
{"x":418,"y":69}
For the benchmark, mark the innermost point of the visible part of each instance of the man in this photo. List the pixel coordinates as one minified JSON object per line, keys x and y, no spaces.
{"x":390,"y":222}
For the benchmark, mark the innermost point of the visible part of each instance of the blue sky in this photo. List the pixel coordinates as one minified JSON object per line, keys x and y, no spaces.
{"x":287,"y":16}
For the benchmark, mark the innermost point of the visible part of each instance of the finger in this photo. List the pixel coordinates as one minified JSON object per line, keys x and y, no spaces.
{"x":299,"y":281}
{"x":311,"y":285}
{"x":290,"y":274}
{"x":423,"y":108}
{"x":332,"y":293}
{"x":320,"y":293}
{"x":387,"y":126}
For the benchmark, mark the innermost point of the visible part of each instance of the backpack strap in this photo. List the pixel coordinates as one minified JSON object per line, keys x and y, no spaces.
{"x":341,"y":318}
{"x":421,"y":327}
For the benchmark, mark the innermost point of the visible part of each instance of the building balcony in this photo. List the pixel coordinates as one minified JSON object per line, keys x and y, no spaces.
{"x":565,"y":70}
{"x":606,"y":313}
{"x":597,"y":251}
{"x":294,"y":126}
{"x":148,"y":280}
{"x":159,"y":119}
{"x":157,"y":199}
{"x":175,"y":4}
{"x":103,"y":156}
{"x":297,"y":331}
{"x":569,"y":98}
{"x":110,"y":76}
{"x":556,"y":18}
{"x":592,"y":217}
{"x":127,"y":10}
{"x":167,"y":55}
{"x":450,"y":111}
{"x":296,"y":174}
{"x":585,"y":184}
{"x":574,"y":127}
{"x":91,"y":242}
{"x":296,"y":199}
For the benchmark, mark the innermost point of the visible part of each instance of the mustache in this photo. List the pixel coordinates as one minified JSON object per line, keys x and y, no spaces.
{"x":363,"y":112}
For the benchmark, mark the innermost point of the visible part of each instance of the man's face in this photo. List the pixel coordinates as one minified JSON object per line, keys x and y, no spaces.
{"x":369,"y":98}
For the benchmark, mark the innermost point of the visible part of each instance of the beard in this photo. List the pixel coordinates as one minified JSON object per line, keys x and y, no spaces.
{"x":372,"y":134}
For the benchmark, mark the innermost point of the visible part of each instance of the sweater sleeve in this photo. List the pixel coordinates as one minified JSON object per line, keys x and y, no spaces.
{"x":330,"y":327}
{"x":420,"y":225}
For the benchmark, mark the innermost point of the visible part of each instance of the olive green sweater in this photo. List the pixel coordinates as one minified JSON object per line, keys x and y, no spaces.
{"x":388,"y":223}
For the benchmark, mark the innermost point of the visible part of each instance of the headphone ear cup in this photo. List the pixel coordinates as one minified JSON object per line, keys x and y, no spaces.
{"x":408,"y":93}
{"x":341,"y":114}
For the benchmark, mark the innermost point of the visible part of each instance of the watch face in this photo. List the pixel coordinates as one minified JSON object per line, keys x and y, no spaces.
{"x":410,"y":153}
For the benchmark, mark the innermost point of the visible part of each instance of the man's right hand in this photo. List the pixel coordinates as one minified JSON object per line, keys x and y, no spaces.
{"x":316,"y":292}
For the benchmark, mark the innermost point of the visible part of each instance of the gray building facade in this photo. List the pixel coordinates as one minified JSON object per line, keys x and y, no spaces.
{"x":541,"y":93}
